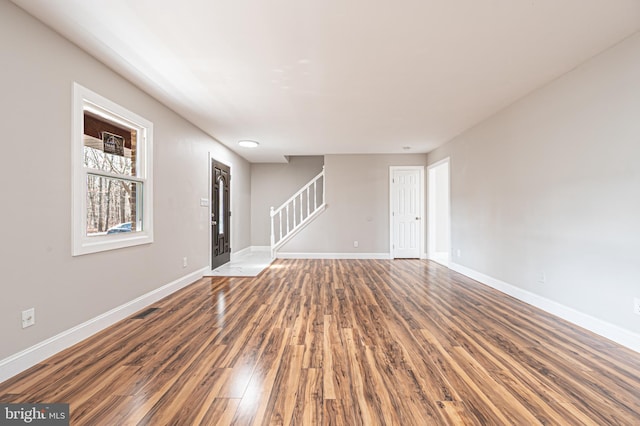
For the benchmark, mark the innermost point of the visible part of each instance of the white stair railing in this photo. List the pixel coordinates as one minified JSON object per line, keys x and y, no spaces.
{"x":298,"y":211}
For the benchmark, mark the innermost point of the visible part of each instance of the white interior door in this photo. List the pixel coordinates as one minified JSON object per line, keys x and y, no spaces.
{"x":406,"y":212}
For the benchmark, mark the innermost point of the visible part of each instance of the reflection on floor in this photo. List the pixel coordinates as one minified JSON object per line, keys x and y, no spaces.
{"x":247,"y":263}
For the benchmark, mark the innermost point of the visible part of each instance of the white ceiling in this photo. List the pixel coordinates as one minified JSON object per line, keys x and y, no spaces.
{"x":339,"y":76}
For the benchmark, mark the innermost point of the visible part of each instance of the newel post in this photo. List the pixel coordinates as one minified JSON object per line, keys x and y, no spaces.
{"x":273,"y":237}
{"x":324,"y":184}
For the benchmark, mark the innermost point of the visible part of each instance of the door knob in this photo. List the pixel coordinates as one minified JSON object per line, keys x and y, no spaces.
{"x":417,"y":218}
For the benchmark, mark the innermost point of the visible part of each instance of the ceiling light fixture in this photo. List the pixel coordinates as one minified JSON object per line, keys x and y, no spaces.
{"x":248,"y":144}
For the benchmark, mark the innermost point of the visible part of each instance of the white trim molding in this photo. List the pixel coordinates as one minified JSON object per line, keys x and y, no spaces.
{"x":610,"y":331}
{"x":260,"y":248}
{"x":249,"y":249}
{"x":442,"y":257}
{"x":433,"y":219}
{"x":236,"y":254}
{"x":31,"y":356}
{"x":333,"y":256}
{"x":87,"y":100}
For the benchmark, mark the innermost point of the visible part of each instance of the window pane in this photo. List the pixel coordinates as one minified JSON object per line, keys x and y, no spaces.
{"x":97,"y":159}
{"x":109,"y":147}
{"x":221,"y":206}
{"x":113,"y":206}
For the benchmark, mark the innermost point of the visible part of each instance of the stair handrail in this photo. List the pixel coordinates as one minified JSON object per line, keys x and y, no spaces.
{"x":292,"y":202}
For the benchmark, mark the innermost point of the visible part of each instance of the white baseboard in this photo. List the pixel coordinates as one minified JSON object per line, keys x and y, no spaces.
{"x":29,"y":357}
{"x":610,"y":331}
{"x":249,"y":249}
{"x":235,"y":254}
{"x":440,"y":257}
{"x":333,"y":256}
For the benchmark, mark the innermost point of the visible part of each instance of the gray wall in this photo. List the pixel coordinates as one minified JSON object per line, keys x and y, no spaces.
{"x":552,"y":185}
{"x":38,"y":270}
{"x":272,"y":185}
{"x":357,"y":191}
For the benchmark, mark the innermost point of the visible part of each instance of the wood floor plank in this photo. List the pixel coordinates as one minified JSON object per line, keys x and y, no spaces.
{"x":313,"y":343}
{"x":308,"y":409}
{"x":282,"y":404}
{"x":253,"y":405}
{"x":334,"y":414}
{"x":212,"y":385}
{"x":220,"y":412}
{"x":328,"y":373}
{"x":455,"y":413}
{"x":360,"y":389}
{"x":340,"y":342}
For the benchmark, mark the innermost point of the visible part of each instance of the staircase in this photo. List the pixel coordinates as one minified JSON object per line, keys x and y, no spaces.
{"x":296,"y":213}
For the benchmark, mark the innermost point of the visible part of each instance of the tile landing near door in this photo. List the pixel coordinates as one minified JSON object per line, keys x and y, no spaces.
{"x":247,"y":263}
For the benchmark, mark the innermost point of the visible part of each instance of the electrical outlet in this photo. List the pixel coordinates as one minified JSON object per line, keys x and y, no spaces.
{"x":184,"y":262}
{"x":459,"y":253}
{"x":355,"y":244}
{"x":542,"y":278}
{"x":28,"y":317}
{"x":636,"y":305}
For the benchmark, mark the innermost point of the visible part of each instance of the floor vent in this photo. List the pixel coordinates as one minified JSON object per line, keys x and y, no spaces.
{"x":145,"y":313}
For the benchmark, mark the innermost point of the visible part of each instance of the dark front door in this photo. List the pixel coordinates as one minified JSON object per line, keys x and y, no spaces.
{"x":220,"y":215}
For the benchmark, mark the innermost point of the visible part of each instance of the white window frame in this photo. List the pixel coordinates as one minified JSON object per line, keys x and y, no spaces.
{"x":85,"y":99}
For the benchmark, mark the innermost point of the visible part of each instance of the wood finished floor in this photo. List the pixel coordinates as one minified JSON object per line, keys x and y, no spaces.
{"x":345,"y":342}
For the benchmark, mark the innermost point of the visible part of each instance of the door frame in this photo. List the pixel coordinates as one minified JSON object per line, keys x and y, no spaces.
{"x":431,"y":213}
{"x":211,"y":159}
{"x":392,"y":169}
